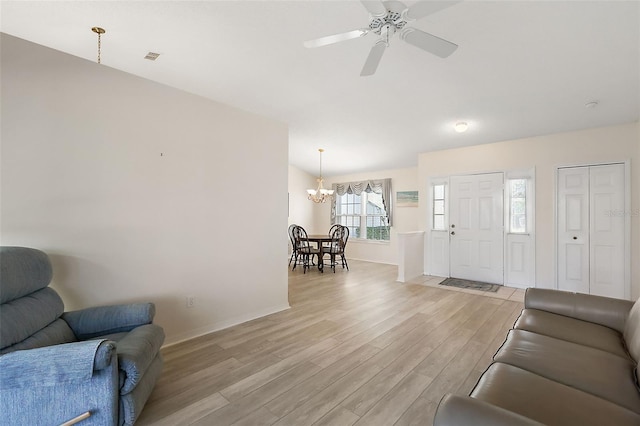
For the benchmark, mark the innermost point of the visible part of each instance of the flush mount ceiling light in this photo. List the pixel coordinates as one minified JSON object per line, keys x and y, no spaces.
{"x":319,"y":195}
{"x":461,"y":127}
{"x":98,"y":31}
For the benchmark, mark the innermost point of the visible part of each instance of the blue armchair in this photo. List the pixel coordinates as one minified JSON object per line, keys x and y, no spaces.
{"x":98,"y":364}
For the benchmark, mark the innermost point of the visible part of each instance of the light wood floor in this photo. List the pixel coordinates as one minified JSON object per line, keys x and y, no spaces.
{"x":356,"y":347}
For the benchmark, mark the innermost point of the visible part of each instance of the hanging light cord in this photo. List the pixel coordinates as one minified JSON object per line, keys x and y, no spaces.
{"x":98,"y":31}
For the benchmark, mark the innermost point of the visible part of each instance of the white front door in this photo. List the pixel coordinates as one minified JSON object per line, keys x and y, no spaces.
{"x":591,"y":230}
{"x":477,"y":227}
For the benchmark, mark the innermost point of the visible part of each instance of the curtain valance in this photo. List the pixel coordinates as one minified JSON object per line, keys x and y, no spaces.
{"x":380,"y":186}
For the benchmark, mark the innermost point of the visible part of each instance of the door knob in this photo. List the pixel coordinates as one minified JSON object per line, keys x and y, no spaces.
{"x":453,"y":232}
{"x":575,"y":238}
{"x":452,"y":225}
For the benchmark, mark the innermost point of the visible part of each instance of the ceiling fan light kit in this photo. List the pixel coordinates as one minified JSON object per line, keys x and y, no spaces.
{"x":388,"y":17}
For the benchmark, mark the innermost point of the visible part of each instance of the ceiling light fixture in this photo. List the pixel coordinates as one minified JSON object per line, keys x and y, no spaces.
{"x":320,"y":195}
{"x":152,"y":56}
{"x":461,"y":126}
{"x":98,"y":31}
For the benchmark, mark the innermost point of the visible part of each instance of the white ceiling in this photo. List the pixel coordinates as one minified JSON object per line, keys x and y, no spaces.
{"x":523,"y":68}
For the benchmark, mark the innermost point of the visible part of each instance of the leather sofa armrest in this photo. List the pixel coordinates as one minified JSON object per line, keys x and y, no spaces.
{"x":102,"y":320}
{"x":605,"y":311}
{"x":455,"y":410}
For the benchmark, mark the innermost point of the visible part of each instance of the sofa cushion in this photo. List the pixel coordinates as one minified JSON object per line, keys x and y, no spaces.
{"x":572,"y":330}
{"x":455,"y":410}
{"x":547,"y":401}
{"x":27,"y":315}
{"x":605,"y":311}
{"x":22,"y":271}
{"x":95,"y":322}
{"x":54,"y":334}
{"x":591,"y":370}
{"x":632,"y":331}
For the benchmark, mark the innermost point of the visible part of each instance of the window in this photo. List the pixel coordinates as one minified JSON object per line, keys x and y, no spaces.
{"x":348,"y":213}
{"x":364,"y":215}
{"x":518,"y":206}
{"x":438,"y":208}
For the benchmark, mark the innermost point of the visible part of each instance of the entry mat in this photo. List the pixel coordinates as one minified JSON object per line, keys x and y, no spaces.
{"x":474,"y":285}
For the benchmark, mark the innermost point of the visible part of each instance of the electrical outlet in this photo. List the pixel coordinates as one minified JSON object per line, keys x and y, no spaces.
{"x":190,"y":301}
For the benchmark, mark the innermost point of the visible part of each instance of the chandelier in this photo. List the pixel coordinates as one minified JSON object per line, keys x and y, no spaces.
{"x":319,"y":195}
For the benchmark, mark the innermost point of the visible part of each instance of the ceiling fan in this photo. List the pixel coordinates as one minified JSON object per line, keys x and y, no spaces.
{"x":387,"y":18}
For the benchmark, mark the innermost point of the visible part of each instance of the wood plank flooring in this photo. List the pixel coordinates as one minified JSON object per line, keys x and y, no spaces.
{"x":356,"y":348}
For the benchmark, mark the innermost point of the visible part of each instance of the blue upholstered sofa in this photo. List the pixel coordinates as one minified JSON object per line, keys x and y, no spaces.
{"x":99,"y":363}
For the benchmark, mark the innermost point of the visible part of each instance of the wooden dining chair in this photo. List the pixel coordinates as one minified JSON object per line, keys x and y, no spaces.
{"x":339,"y":238}
{"x":294,"y":248}
{"x":305,"y":249}
{"x":330,"y":233}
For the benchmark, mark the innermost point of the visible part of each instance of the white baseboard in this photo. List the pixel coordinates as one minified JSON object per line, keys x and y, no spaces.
{"x":211,"y":328}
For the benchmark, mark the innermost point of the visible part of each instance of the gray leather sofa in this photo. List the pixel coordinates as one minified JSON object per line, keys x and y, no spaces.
{"x":570,"y":359}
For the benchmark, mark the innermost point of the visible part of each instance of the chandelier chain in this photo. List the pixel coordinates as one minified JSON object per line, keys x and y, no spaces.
{"x":320,"y":195}
{"x":99,"y":31}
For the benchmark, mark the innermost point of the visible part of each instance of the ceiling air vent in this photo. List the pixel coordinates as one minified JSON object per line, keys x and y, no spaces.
{"x":152,"y":56}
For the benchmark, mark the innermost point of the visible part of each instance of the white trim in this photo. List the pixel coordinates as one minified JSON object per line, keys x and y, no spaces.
{"x":211,"y":328}
{"x":627,"y":233}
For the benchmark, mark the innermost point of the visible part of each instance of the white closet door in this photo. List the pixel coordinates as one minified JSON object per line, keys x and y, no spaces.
{"x":573,"y":229}
{"x":591,"y":230}
{"x":607,"y":227}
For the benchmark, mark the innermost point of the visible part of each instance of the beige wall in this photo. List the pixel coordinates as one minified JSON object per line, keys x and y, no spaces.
{"x":142,"y":192}
{"x":546,"y":153}
{"x":301,"y":210}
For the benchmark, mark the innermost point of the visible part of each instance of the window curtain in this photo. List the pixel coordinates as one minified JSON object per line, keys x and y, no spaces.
{"x":382,"y":186}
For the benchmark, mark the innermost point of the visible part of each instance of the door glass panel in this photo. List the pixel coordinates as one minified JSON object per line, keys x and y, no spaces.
{"x":438,"y":207}
{"x":518,"y":206}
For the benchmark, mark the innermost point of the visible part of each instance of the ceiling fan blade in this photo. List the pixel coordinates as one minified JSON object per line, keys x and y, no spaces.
{"x":428,"y":42}
{"x":373,"y":59}
{"x":423,"y":8}
{"x":375,"y":7}
{"x":335,"y":38}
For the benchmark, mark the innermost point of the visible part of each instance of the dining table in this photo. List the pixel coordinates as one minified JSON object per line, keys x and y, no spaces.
{"x":319,"y":239}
